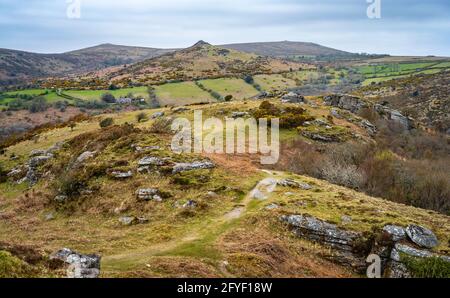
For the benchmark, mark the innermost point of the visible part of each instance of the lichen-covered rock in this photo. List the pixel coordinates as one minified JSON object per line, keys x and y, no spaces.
{"x":346,"y":102}
{"x":39,"y":160}
{"x":37,"y":152}
{"x":422,"y":236}
{"x":148,"y":194}
{"x":398,"y":270}
{"x":293,"y":97}
{"x":321,"y":231}
{"x":239,"y":114}
{"x":61,"y":199}
{"x":80,"y":266}
{"x":190,"y":204}
{"x":157,"y":115}
{"x":408,"y":250}
{"x":272,"y":206}
{"x":132,"y":220}
{"x":196,"y":165}
{"x":121,"y":175}
{"x":294,"y":184}
{"x":152,"y":161}
{"x":128,"y":220}
{"x":85,"y":156}
{"x":395,"y":233}
{"x":368,"y":126}
{"x":145,"y":148}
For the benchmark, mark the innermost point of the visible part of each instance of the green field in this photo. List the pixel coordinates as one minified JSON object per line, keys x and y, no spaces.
{"x":96,"y":94}
{"x":226,"y":86}
{"x":274,"y":82}
{"x":181,"y":94}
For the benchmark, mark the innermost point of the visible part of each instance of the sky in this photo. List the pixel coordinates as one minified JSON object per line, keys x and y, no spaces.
{"x":405,"y":27}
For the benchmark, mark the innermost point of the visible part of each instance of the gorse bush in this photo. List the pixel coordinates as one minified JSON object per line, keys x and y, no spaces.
{"x":141,"y":117}
{"x":106,"y":122}
{"x":290,"y":117}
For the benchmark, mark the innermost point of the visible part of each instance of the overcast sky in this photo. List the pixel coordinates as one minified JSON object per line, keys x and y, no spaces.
{"x":406,"y":27}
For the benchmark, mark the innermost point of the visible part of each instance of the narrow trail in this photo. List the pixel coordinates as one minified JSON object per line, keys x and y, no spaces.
{"x":260,"y":192}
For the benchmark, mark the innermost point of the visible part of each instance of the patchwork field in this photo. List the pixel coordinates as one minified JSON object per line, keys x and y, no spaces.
{"x":383,"y":72}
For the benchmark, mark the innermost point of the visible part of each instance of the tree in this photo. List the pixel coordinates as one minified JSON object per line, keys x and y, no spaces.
{"x":108,"y":98}
{"x":248,"y":79}
{"x":228,"y":97}
{"x":39,"y":104}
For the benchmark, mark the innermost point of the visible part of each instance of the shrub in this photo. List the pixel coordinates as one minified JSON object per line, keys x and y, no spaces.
{"x":141,"y":117}
{"x":228,"y":97}
{"x":162,"y":125}
{"x":106,"y":122}
{"x":108,"y":98}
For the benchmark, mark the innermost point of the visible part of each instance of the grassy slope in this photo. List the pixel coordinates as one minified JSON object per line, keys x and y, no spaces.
{"x":180,"y":243}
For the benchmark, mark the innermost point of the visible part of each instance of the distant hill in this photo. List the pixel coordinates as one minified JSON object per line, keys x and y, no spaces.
{"x":285,"y":49}
{"x":19,"y":67}
{"x":16,"y":67}
{"x":202,"y":60}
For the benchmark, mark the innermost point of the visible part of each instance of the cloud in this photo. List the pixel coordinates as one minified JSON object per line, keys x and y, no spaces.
{"x":407,"y":26}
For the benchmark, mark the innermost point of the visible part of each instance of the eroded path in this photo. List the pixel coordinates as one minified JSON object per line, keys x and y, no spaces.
{"x":203,"y":234}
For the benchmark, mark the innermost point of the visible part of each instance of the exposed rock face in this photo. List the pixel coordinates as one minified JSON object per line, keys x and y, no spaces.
{"x":196,"y":165}
{"x":345,"y":243}
{"x":355,"y":105}
{"x":80,"y":266}
{"x":422,"y":236}
{"x":293,"y":97}
{"x":351,"y":248}
{"x":394,"y":115}
{"x":148,"y":194}
{"x":368,"y":126}
{"x":346,"y":102}
{"x":395,"y":233}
